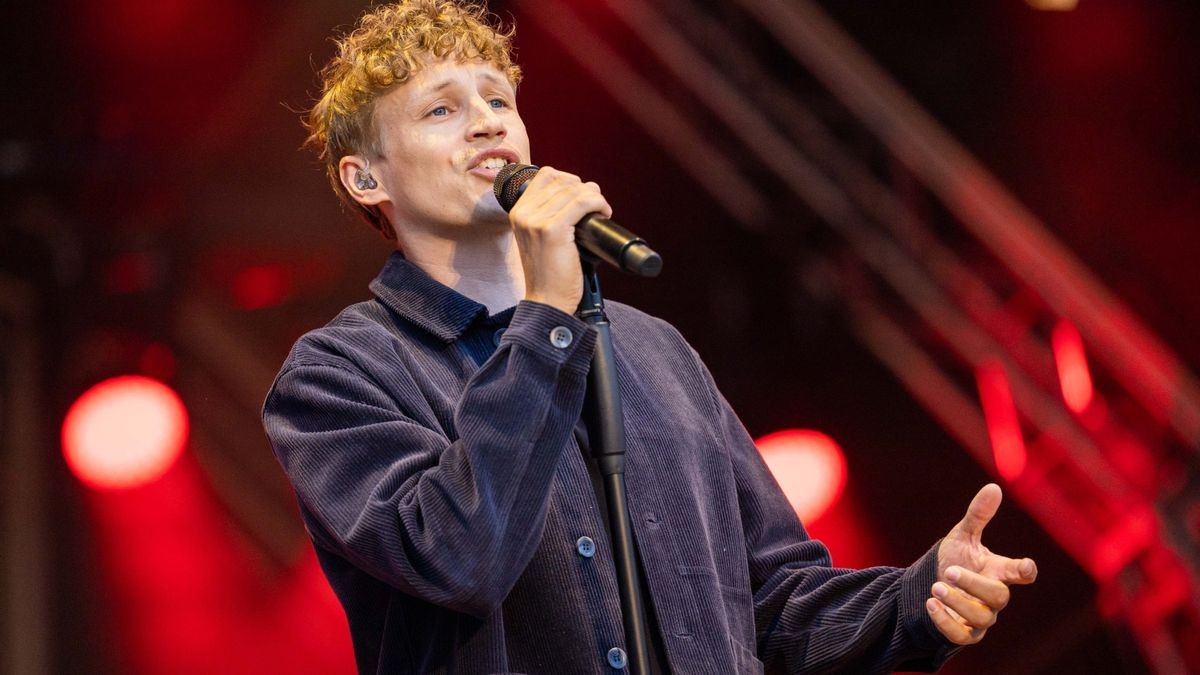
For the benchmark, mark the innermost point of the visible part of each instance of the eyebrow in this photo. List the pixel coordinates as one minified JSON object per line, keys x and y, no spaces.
{"x":440,"y":86}
{"x":494,"y":78}
{"x":449,"y":82}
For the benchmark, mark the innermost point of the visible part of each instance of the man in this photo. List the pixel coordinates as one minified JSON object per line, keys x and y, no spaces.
{"x":431,"y":433}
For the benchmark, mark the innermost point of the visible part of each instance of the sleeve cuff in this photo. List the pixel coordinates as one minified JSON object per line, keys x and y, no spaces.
{"x":916,"y":588}
{"x":553,"y":333}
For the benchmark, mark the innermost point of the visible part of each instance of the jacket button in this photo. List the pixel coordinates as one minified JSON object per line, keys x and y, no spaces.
{"x":496,"y":337}
{"x":561,"y":337}
{"x":616,"y":658}
{"x":585,"y":546}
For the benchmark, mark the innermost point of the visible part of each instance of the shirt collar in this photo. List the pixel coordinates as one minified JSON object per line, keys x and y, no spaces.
{"x":407,"y":290}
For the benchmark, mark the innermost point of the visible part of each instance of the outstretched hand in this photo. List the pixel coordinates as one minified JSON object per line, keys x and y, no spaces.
{"x":972,"y":582}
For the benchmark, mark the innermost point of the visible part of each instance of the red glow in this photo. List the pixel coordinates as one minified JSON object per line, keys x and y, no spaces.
{"x":143,"y":30}
{"x":1053,"y":5}
{"x":809,"y":466}
{"x":1122,"y":542}
{"x":1008,"y":446}
{"x":157,"y":361}
{"x":261,"y":286}
{"x":187,"y":595}
{"x":124,"y":432}
{"x":131,"y":272}
{"x":1073,"y":374}
{"x":256,"y":279}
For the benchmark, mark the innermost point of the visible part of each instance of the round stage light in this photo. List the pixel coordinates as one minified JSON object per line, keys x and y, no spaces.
{"x":809,"y":466}
{"x":124,"y":432}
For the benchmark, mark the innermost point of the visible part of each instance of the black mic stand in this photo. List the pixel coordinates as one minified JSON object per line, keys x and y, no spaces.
{"x":606,"y":434}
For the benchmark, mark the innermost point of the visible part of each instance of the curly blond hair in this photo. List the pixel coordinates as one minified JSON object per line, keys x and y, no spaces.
{"x":388,"y":44}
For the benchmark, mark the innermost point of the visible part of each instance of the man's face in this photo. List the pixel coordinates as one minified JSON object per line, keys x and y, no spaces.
{"x":444,"y":134}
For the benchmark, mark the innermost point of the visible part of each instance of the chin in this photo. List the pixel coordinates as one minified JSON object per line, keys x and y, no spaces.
{"x":488,"y":214}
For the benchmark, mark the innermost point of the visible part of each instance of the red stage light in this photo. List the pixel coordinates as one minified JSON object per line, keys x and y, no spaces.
{"x":809,"y":466}
{"x":1073,"y":374}
{"x":124,"y":432}
{"x":261,"y":286}
{"x":1053,"y":5}
{"x":1000,"y":413}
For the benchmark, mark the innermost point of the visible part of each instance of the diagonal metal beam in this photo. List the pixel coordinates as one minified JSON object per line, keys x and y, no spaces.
{"x":1143,"y":364}
{"x":641,"y":101}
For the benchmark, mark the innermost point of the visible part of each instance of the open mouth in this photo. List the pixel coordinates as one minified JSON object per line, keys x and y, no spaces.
{"x":489,"y":162}
{"x":493,"y":163}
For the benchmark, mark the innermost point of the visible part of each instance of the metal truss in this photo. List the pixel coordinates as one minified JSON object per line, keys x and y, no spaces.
{"x":944,"y":276}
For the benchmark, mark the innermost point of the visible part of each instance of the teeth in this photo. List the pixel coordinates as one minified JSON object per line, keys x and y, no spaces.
{"x":493,"y":163}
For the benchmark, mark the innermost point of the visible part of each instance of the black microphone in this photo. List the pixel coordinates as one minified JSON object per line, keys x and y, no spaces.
{"x":595,"y":234}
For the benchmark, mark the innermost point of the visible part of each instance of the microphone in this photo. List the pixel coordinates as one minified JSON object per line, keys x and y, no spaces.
{"x":595,"y":235}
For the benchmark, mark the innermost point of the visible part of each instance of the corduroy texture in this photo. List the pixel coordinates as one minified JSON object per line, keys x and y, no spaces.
{"x":443,"y":488}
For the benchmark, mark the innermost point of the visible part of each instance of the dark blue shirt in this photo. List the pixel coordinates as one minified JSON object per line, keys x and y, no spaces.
{"x":432,"y":449}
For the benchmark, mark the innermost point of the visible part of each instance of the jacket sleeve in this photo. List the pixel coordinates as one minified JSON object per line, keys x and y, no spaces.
{"x":453,"y":521}
{"x":809,"y":616}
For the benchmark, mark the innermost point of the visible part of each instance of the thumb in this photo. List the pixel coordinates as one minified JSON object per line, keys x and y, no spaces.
{"x":983,"y":507}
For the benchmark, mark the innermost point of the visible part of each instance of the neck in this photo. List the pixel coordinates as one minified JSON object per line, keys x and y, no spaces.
{"x":486,"y":269}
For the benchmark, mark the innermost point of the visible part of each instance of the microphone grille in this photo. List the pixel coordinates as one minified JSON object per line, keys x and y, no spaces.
{"x":510,"y":183}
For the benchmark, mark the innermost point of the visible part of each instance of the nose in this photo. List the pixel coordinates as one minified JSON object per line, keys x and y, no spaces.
{"x":485,"y":123}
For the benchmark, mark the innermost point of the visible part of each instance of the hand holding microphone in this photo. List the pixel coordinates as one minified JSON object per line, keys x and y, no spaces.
{"x":595,"y":234}
{"x":542,"y":224}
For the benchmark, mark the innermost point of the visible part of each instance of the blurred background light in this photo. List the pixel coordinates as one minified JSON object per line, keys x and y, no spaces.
{"x":124,"y":432}
{"x":1074,"y":376}
{"x":261,"y":286}
{"x":1053,"y":5}
{"x":1000,"y":413}
{"x":809,"y":466}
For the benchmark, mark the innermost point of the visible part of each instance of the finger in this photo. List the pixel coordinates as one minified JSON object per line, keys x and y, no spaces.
{"x":992,"y":592}
{"x":975,"y":612}
{"x":575,"y":208}
{"x":956,"y":632}
{"x":544,"y":185}
{"x":606,"y":210}
{"x":550,"y":180}
{"x":983,"y":507}
{"x":953,"y":614}
{"x":1023,"y":571}
{"x":558,"y":205}
{"x":1007,"y":570}
{"x":559,"y":189}
{"x":538,"y":193}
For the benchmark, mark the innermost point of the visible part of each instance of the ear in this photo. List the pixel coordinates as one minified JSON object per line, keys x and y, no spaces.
{"x":369,"y":193}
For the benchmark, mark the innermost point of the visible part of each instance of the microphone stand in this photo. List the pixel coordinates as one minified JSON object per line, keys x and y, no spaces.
{"x":606,"y":433}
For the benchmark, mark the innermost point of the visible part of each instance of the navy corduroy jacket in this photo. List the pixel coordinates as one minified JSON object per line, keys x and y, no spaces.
{"x":431,"y":447}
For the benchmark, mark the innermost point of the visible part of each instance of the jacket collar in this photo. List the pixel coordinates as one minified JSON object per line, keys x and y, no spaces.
{"x":429,"y":304}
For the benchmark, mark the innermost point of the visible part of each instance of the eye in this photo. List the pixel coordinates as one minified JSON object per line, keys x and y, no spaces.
{"x":440,"y":111}
{"x":498,"y":103}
